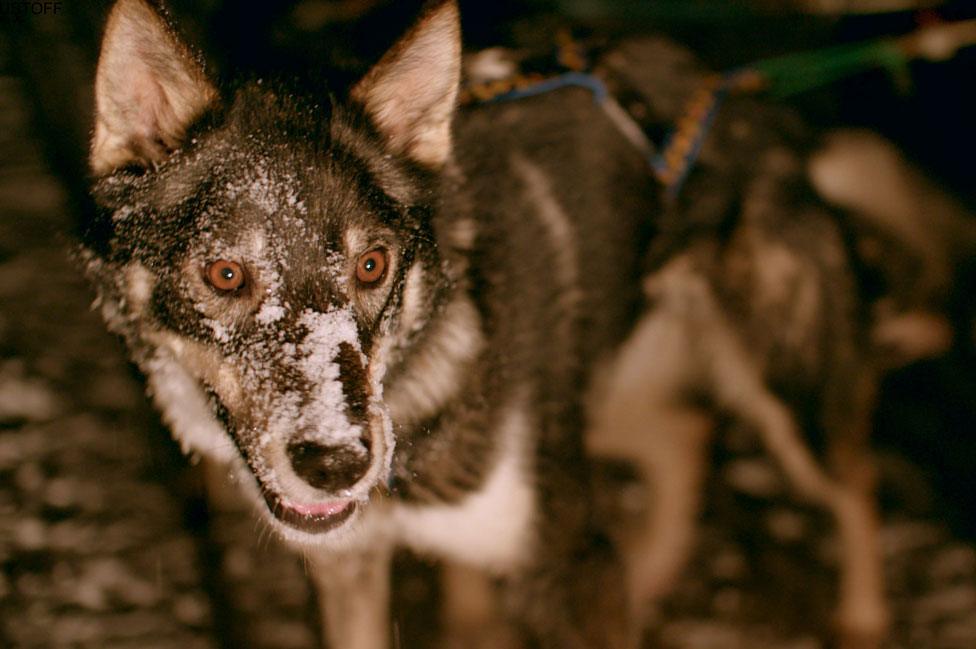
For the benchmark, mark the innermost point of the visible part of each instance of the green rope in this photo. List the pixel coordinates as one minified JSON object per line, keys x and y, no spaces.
{"x":796,"y":73}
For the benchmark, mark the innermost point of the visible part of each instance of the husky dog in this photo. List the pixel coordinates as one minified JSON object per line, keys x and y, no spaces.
{"x":383,"y":315}
{"x":757,"y":312}
{"x":378,"y":312}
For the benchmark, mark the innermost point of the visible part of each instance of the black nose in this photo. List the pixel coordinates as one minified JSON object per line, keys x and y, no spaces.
{"x":331,"y":468}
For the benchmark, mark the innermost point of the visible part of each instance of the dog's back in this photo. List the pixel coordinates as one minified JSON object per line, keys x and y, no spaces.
{"x":566,"y":207}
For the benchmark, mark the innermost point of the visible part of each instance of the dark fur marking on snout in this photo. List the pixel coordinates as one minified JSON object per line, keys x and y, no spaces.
{"x":355,"y":388}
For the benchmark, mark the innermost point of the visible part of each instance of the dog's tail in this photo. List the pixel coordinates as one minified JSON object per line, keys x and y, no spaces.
{"x":894,"y":205}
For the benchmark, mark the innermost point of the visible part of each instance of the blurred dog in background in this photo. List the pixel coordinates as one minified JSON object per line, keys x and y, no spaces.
{"x":759,"y":310}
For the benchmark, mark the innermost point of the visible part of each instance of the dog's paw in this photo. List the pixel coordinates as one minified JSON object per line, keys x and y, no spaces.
{"x":862,"y":628}
{"x":857,"y":640}
{"x":480,"y":638}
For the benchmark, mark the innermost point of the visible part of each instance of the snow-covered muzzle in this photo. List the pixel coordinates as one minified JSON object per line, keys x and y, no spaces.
{"x":310,"y":423}
{"x":254,"y":280}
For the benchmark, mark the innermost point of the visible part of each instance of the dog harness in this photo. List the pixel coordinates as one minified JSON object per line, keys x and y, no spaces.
{"x":780,"y":77}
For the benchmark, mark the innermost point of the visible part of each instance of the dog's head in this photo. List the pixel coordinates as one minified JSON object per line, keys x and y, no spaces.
{"x":256,"y":249}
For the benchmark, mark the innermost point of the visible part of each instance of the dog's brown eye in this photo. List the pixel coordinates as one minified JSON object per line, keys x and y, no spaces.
{"x":371,"y":266}
{"x":225,"y":275}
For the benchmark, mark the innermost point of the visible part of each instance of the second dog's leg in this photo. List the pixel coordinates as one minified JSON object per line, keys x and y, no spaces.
{"x":848,"y":494}
{"x":354,"y":593}
{"x":673,"y":467}
{"x":638,"y":417}
{"x":862,"y":613}
{"x":669,"y":450}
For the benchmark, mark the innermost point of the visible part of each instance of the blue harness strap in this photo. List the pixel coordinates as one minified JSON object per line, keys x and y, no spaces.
{"x":566,"y":80}
{"x":781,"y":76}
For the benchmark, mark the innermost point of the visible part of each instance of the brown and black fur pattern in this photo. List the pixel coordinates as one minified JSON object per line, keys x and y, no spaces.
{"x":437,"y":405}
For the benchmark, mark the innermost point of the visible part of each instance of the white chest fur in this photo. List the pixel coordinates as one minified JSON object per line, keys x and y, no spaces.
{"x":491,"y":528}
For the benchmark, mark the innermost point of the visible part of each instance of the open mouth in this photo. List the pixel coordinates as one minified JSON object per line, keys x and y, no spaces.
{"x":313,"y":518}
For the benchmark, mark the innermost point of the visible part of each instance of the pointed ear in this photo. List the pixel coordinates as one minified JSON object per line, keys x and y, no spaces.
{"x":148,"y":89}
{"x":411,"y":93}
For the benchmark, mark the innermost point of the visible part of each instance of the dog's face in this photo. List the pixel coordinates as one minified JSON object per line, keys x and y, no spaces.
{"x":255,"y":252}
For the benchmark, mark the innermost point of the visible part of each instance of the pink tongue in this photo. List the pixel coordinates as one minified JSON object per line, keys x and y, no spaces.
{"x":320,"y":509}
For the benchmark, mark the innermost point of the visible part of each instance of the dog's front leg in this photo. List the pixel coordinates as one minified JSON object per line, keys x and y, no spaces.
{"x":863,"y":615}
{"x":353,"y":592}
{"x":471,"y":612}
